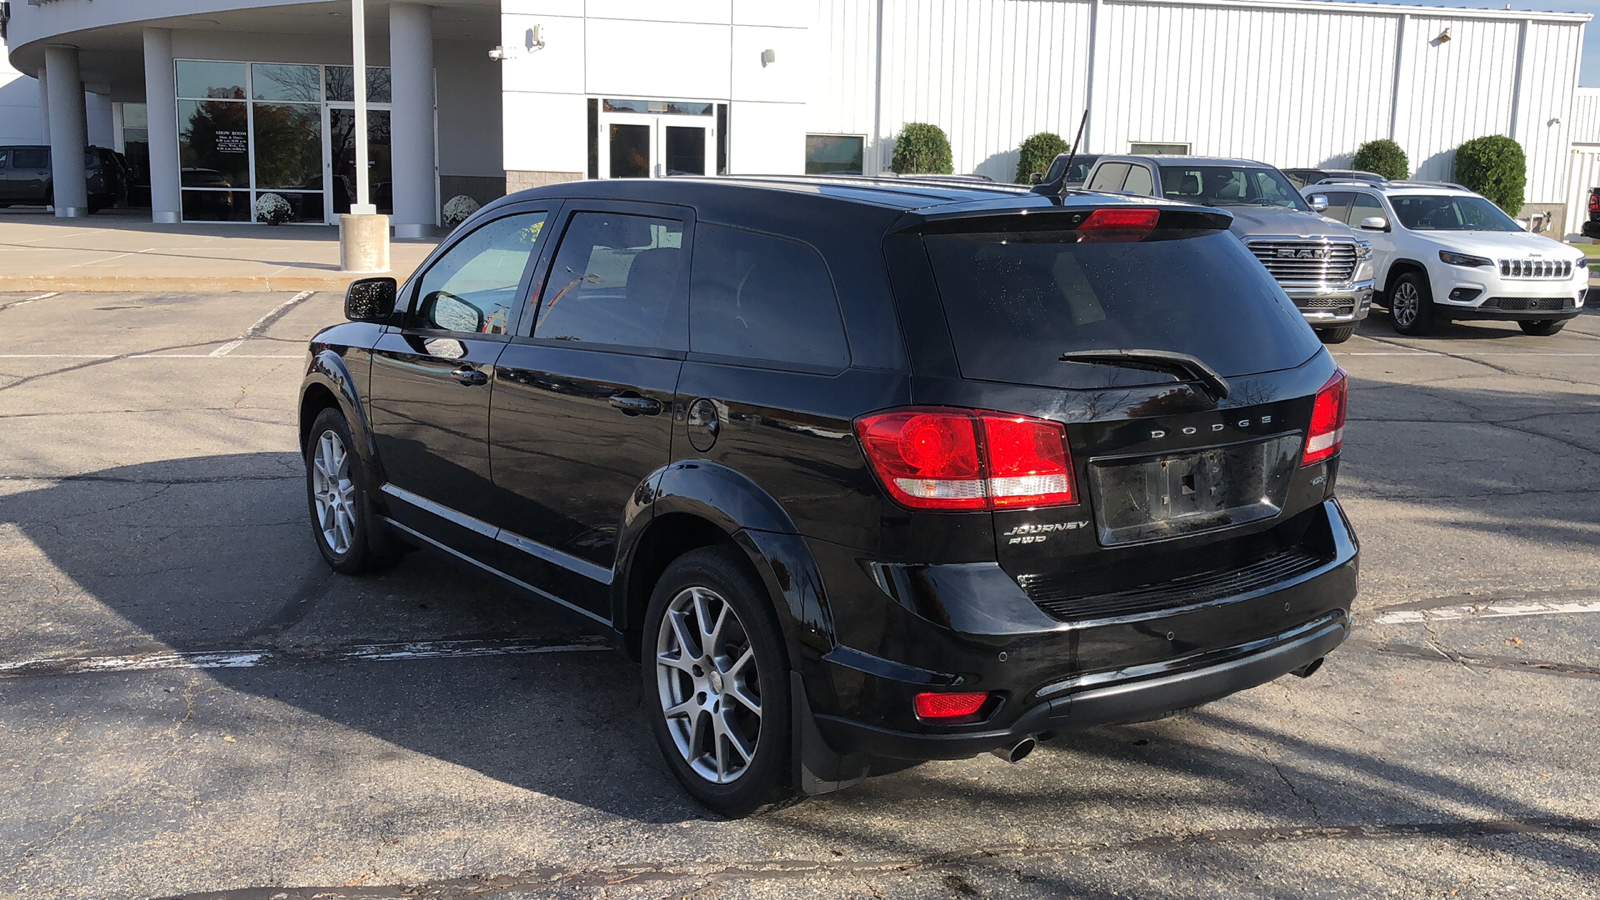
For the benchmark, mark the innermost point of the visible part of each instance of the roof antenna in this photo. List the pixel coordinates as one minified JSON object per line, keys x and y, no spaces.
{"x":1059,"y":186}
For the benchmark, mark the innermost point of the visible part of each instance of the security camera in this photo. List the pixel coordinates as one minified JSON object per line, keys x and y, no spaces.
{"x":499,"y":54}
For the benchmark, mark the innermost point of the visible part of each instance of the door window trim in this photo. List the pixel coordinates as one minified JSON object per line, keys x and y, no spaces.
{"x":405,"y":319}
{"x":535,"y":298}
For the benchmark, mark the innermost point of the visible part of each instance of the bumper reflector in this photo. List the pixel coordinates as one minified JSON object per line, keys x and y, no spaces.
{"x":950,"y":706}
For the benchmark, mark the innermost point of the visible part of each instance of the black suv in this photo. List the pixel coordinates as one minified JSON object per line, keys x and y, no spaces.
{"x":863,"y":472}
{"x":26,"y":177}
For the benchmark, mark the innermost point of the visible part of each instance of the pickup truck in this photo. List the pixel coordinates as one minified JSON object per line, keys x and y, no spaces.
{"x":1324,"y":266}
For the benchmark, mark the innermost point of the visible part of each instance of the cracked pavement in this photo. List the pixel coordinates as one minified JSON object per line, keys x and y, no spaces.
{"x":151,"y":501}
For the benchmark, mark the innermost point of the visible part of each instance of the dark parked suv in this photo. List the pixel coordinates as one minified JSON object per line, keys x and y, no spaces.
{"x":26,"y":177}
{"x":863,"y":472}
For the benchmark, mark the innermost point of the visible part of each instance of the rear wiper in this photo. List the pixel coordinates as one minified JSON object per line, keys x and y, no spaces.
{"x":1158,"y":360}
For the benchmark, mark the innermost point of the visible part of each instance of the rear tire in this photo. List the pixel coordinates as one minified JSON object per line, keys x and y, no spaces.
{"x":348,"y":534}
{"x":716,"y":683}
{"x":1336,"y":335}
{"x":1410,"y":305}
{"x":1543,"y":327}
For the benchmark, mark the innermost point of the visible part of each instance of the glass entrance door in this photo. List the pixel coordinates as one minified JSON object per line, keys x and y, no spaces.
{"x":653,"y":145}
{"x":342,"y":154}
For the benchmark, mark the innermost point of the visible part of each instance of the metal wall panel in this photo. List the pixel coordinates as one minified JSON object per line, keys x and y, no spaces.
{"x":1549,"y":80}
{"x":1585,"y":125}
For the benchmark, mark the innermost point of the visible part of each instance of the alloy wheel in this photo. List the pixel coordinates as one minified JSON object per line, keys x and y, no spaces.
{"x":1405,"y":304}
{"x":707,"y":683}
{"x":334,"y":493}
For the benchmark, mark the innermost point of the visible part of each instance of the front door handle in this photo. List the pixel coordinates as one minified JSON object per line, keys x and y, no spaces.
{"x":469,"y":376}
{"x":634,"y":405}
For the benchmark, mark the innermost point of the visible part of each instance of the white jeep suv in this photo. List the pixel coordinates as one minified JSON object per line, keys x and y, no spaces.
{"x":1441,"y":252}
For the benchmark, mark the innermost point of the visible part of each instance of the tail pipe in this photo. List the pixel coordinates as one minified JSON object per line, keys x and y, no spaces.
{"x":1310,"y":668}
{"x":1016,"y":752}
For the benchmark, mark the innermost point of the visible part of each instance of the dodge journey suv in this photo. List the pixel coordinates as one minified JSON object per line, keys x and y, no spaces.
{"x":863,"y":473}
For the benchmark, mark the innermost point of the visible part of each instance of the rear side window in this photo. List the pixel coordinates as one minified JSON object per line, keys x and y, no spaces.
{"x":1109,"y":177}
{"x":763,"y":298}
{"x":1016,"y":301}
{"x":617,"y":280}
{"x":29,"y":159}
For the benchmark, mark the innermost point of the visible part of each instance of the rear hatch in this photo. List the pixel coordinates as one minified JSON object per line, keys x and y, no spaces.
{"x":1184,"y":381}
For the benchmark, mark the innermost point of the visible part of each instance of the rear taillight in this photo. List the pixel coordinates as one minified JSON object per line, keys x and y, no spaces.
{"x":1594,"y":202}
{"x":940,"y":458}
{"x":1327,"y":421}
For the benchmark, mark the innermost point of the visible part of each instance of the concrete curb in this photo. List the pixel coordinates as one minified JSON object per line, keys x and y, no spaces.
{"x":180,"y":284}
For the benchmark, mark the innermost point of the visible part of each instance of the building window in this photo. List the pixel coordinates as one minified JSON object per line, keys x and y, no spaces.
{"x":246,"y":130}
{"x":1154,"y":148}
{"x":835,"y":154}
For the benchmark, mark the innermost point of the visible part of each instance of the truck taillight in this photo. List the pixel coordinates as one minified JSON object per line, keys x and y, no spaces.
{"x":1594,"y":201}
{"x":943,"y":458}
{"x":1327,"y":421}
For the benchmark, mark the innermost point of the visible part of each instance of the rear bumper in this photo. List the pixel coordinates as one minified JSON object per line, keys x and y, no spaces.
{"x":1132,"y":701}
{"x":1051,"y":675}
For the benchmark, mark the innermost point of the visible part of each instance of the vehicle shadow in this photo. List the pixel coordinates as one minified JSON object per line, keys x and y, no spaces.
{"x":214,"y":553}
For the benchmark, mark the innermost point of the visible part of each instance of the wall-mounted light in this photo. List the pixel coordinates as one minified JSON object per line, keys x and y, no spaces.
{"x":768,"y":57}
{"x":1443,"y":38}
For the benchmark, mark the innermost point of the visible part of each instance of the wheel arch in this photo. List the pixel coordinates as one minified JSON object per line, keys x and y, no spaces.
{"x":1400,"y":267}
{"x":328,"y":384}
{"x":699,"y":504}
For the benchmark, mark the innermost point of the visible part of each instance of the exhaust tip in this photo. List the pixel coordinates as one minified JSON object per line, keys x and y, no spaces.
{"x":1310,"y":668}
{"x":1016,"y":752}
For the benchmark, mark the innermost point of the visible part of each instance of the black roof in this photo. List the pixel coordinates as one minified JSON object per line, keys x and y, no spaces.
{"x":1161,"y":160}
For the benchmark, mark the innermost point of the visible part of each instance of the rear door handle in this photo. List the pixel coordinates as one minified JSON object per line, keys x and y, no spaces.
{"x":634,"y":405}
{"x":469,"y":376}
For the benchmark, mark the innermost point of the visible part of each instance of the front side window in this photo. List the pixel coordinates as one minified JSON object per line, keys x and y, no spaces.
{"x":474,"y":286}
{"x":1138,"y":182}
{"x":1365,"y":207}
{"x":30,"y":159}
{"x":617,"y":279}
{"x":1109,"y":177}
{"x":763,"y":298}
{"x":1443,"y":212}
{"x":1338,"y":205}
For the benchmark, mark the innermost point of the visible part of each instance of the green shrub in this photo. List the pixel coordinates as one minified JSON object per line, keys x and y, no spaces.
{"x":921,"y":149}
{"x":1495,"y":167}
{"x":1383,"y":157}
{"x":1038,"y":152}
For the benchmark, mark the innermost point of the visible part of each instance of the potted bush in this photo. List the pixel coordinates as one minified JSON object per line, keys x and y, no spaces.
{"x":273,"y":209}
{"x":1038,"y":152}
{"x":1495,"y":167}
{"x":921,"y":149}
{"x":457,"y":209}
{"x":1383,"y":157}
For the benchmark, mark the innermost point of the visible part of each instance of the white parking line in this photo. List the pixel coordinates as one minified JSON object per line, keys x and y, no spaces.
{"x":246,"y":659}
{"x":260,"y":323}
{"x":27,"y":300}
{"x":1487,"y":611}
{"x":211,"y":355}
{"x":1463,"y":355}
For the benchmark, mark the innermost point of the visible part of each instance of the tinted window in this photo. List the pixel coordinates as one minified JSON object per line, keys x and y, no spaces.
{"x":1139,"y":182}
{"x":1081,"y":164}
{"x":1015,"y":301}
{"x":1338,"y":204}
{"x":5,"y":158}
{"x":1109,"y":177}
{"x":1230,"y":186}
{"x":201,"y":80}
{"x":1366,"y":206}
{"x":617,"y":279}
{"x":473,"y":287}
{"x":1441,"y":212}
{"x":762,"y":297}
{"x":29,"y":159}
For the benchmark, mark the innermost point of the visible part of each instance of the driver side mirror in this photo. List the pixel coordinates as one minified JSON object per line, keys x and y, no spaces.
{"x":1036,"y":178}
{"x":442,"y":309}
{"x":370,"y":299}
{"x":1319,"y":202}
{"x":1374,"y":223}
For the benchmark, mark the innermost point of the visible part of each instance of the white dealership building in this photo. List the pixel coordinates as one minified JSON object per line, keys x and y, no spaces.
{"x":217,"y":102}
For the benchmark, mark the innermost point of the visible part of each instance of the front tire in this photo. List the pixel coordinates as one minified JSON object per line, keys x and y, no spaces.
{"x":1336,"y":335}
{"x":1410,"y":305}
{"x":1543,"y":327}
{"x":716,"y":683}
{"x":347,"y":533}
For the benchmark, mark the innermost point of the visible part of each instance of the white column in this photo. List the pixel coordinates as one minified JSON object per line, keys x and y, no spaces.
{"x":160,"y":91}
{"x":44,"y":104}
{"x":69,"y":132}
{"x":411,"y":123}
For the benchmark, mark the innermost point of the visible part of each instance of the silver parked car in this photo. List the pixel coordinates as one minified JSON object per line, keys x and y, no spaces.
{"x":1324,"y":266}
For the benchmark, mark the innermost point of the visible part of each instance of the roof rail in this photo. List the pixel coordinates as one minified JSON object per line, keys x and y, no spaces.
{"x":1434,"y":184}
{"x":974,"y":183}
{"x":1359,"y":181}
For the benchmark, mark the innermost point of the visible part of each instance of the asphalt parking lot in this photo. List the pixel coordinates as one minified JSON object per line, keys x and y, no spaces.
{"x":192,"y":704}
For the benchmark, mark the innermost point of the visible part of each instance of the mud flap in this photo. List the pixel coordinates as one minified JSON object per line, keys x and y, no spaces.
{"x":817,"y":768}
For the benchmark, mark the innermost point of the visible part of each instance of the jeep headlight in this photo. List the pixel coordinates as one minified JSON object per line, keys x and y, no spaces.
{"x":1462,"y":259}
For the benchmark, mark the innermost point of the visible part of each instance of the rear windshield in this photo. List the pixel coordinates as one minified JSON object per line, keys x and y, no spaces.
{"x":1016,"y":301}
